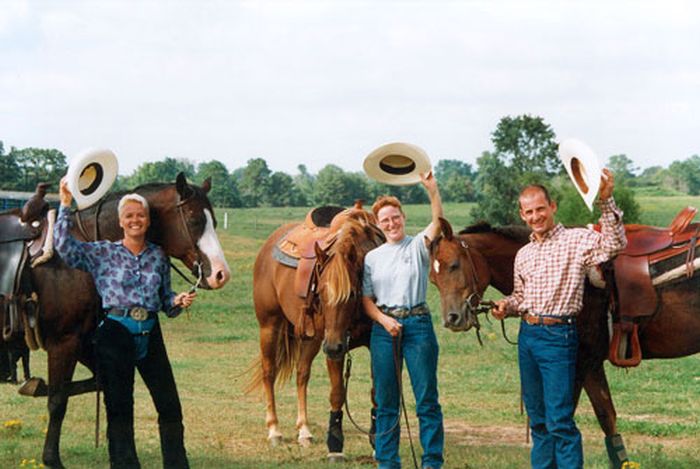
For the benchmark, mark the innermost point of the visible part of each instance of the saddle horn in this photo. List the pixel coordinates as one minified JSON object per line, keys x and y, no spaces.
{"x":583,"y":167}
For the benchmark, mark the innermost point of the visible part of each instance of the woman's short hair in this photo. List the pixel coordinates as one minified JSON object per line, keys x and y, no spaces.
{"x":132,"y":198}
{"x":384,"y":200}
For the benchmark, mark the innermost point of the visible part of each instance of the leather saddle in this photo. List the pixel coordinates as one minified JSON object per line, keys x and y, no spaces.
{"x":26,"y":235}
{"x":636,"y":296}
{"x":297,"y":249}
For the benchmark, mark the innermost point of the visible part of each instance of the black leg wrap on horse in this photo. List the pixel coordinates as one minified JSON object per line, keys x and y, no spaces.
{"x":373,"y":427}
{"x":616,"y":450}
{"x":172,"y":445}
{"x":335,"y":437}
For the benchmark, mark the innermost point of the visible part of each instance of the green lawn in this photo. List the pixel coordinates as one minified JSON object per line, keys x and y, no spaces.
{"x":211,"y":349}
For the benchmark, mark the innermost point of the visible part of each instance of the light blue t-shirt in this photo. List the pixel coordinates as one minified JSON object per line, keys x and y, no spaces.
{"x":396,"y":275}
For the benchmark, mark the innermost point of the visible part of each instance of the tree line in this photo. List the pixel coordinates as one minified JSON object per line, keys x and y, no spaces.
{"x":524,"y":151}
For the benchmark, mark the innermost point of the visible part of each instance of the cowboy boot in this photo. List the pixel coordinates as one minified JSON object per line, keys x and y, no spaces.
{"x":172,"y":445}
{"x":122,"y":450}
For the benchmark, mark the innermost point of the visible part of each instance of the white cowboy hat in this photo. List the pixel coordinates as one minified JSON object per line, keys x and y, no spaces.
{"x":398,"y":164}
{"x":583,"y":167}
{"x":90,"y":175}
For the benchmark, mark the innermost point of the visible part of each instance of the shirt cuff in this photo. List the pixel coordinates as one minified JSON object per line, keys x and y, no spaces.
{"x":609,"y":211}
{"x":174,"y":311}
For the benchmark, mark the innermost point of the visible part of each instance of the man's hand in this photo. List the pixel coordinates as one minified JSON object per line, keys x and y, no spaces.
{"x":499,"y":310}
{"x":607,"y":184}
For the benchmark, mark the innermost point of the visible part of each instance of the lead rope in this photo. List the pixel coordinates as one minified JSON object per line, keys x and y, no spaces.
{"x":396,"y":348}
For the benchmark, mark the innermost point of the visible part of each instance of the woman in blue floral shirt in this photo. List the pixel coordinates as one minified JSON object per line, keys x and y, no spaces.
{"x":132,"y":277}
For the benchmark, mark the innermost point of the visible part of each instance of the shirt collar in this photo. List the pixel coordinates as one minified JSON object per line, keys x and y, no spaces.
{"x":558,"y":228}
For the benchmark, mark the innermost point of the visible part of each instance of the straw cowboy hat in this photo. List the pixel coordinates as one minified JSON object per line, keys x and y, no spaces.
{"x":398,"y":164}
{"x":90,"y":175}
{"x":583,"y":167}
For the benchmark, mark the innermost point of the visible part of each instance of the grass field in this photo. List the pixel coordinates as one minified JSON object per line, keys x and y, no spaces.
{"x":211,"y":348}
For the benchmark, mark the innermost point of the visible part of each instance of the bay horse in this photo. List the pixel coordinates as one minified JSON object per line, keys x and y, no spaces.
{"x":340,"y":323}
{"x":182,"y":223}
{"x":464,"y":265}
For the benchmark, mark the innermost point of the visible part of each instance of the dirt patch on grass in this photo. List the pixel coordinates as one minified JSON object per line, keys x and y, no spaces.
{"x":473,"y":435}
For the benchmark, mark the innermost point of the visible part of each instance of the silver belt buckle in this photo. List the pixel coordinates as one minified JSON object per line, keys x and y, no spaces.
{"x":138,"y":313}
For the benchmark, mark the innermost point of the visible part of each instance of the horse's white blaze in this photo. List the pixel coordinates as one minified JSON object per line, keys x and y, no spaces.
{"x":211,"y":247}
{"x":436,"y":266}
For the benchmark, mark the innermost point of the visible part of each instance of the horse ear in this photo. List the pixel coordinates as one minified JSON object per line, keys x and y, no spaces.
{"x":206,"y":185}
{"x":182,"y":187}
{"x":446,"y":229}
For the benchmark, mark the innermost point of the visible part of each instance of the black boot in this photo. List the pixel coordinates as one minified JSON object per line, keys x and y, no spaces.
{"x":122,"y":450}
{"x":172,"y":445}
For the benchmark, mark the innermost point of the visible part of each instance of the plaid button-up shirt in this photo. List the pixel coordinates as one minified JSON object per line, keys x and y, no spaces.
{"x":549,"y":273}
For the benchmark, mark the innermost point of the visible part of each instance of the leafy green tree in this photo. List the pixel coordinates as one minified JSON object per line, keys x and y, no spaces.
{"x":254,"y":183}
{"x":623,"y":168}
{"x":224,"y":191}
{"x":456,"y":180}
{"x":283,"y":192}
{"x":573,"y":212}
{"x":527,"y":144}
{"x":525,"y":152}
{"x":304,"y":183}
{"x":35,"y":165}
{"x":9,"y":170}
{"x":161,"y":171}
{"x":335,"y":186}
{"x":685,"y":175}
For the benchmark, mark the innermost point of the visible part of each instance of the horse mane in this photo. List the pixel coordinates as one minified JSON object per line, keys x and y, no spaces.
{"x":357,"y":235}
{"x":517,"y":233}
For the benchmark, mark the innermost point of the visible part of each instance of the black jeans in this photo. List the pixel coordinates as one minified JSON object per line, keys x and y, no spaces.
{"x":116,"y":357}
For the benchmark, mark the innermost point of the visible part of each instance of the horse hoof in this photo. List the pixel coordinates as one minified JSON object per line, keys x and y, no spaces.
{"x":275,"y":441}
{"x":336,"y":457}
{"x":34,"y":387}
{"x":305,"y":442}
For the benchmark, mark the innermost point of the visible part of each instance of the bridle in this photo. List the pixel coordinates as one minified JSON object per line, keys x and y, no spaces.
{"x":197,"y":265}
{"x":474,"y":303}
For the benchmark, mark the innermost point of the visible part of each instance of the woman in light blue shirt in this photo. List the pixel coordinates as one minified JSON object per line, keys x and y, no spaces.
{"x":394,"y":288}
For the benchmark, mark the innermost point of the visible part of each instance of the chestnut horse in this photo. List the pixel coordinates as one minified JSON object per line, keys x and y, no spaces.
{"x":339,"y":319}
{"x":464,"y":265}
{"x":182,"y":223}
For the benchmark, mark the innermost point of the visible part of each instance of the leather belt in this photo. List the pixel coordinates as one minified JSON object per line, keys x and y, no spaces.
{"x":537,"y":320}
{"x":137,"y":313}
{"x":401,"y":312}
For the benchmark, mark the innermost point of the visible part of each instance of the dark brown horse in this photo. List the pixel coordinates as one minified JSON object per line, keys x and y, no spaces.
{"x":182,"y":222}
{"x":339,"y":319}
{"x":464,"y":265}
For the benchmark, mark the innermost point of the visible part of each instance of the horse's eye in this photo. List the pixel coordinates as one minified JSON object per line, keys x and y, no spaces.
{"x":454,"y":266}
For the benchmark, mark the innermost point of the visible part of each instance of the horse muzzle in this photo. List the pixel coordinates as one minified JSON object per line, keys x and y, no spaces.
{"x":460,"y":320}
{"x":335,"y":350}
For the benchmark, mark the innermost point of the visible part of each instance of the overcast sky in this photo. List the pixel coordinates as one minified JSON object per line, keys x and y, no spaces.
{"x":326,"y":82}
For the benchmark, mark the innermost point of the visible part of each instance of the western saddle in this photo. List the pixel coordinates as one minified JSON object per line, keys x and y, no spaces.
{"x":26,"y":237}
{"x":639,"y":269}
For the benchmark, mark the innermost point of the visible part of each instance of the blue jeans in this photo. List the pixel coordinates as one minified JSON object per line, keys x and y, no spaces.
{"x":547,"y":358}
{"x":419,"y":348}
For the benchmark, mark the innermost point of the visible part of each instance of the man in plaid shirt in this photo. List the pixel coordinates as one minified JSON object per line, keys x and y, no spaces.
{"x":549,"y":279}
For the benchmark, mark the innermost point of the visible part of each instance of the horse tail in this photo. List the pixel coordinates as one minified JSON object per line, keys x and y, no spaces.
{"x":287,"y":350}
